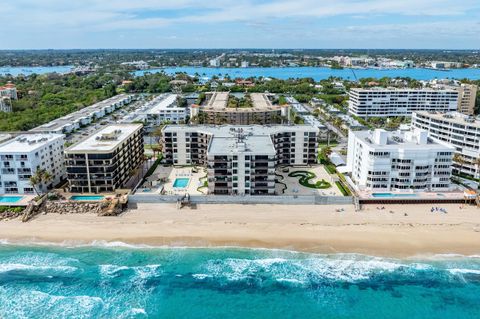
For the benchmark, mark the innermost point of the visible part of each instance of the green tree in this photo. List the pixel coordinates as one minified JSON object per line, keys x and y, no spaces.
{"x":40,"y":178}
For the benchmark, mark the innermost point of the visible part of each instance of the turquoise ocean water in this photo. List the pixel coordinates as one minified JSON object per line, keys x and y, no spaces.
{"x":317,"y":73}
{"x":110,"y":281}
{"x":320,"y":73}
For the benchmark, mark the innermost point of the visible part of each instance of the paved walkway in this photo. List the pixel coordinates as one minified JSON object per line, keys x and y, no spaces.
{"x":295,"y":188}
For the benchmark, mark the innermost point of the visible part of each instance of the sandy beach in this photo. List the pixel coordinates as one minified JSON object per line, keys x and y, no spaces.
{"x":322,"y":229}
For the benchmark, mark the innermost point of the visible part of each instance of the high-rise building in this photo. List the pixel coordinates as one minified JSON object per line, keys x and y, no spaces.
{"x":398,"y":161}
{"x":23,"y":155}
{"x":458,"y":130}
{"x":386,"y":102}
{"x":240,"y":159}
{"x":467,"y":98}
{"x":106,"y":160}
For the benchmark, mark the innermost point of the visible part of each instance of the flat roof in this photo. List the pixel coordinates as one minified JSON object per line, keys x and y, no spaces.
{"x":26,"y":143}
{"x":399,"y":139}
{"x":350,"y":120}
{"x":166,"y":102}
{"x":252,"y":144}
{"x":452,"y":117}
{"x":225,"y":130}
{"x":83,"y":113}
{"x":218,"y":100}
{"x":4,"y":137}
{"x":260,"y":102}
{"x":253,"y":139}
{"x":312,"y":120}
{"x":105,"y":140}
{"x":395,"y":89}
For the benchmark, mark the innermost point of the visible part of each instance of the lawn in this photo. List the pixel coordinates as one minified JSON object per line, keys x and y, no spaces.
{"x":306,"y":177}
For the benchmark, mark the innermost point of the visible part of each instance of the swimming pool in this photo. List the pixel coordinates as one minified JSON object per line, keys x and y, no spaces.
{"x":10,"y":199}
{"x":390,"y":195}
{"x":87,"y":197}
{"x":181,"y":182}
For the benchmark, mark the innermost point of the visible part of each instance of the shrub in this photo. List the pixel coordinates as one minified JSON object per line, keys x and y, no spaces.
{"x":345,"y":191}
{"x":305,"y":178}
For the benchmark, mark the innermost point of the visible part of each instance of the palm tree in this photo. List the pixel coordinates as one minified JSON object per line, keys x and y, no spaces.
{"x":325,"y":153}
{"x":476,"y":162}
{"x":40,"y":178}
{"x":337,"y":122}
{"x":460,"y":160}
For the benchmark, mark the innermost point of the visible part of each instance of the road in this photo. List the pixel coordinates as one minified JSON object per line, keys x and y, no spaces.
{"x":301,"y":107}
{"x":86,"y":131}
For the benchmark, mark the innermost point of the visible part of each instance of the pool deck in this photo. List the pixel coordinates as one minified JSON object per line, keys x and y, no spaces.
{"x":162,"y":180}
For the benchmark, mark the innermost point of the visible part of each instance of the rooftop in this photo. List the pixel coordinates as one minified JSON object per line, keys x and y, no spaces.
{"x":105,"y":140}
{"x":225,"y":130}
{"x":452,"y":117}
{"x":415,"y":139}
{"x":254,"y":139}
{"x":27,"y":142}
{"x":4,"y":137}
{"x":313,"y":121}
{"x":260,"y":101}
{"x":218,"y":100}
{"x":83,"y":113}
{"x":165,"y":102}
{"x":242,"y":142}
{"x":389,"y":89}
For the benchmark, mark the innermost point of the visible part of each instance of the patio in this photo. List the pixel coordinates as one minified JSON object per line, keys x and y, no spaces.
{"x":168,"y":180}
{"x":295,"y":188}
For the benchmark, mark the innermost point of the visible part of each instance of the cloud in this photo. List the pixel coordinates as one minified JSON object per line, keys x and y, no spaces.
{"x":303,"y":18}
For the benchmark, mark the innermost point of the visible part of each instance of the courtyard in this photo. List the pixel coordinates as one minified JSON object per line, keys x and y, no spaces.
{"x":169,"y":180}
{"x":291,"y":185}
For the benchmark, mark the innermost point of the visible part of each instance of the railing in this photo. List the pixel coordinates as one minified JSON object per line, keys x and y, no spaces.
{"x":238,"y":199}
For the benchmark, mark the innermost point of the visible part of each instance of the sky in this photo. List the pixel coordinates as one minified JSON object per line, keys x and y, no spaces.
{"x":375,"y":24}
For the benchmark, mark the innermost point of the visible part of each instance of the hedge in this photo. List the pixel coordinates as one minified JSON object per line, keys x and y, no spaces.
{"x":343,"y":190}
{"x":152,"y":169}
{"x":305,"y":178}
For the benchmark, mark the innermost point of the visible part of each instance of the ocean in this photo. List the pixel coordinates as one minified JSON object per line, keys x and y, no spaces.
{"x":320,"y":73}
{"x":120,"y":281}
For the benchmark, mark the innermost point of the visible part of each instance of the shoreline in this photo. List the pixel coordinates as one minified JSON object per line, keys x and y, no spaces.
{"x":309,"y":229}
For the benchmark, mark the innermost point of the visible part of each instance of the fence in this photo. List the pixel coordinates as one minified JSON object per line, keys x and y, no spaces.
{"x":220,"y":199}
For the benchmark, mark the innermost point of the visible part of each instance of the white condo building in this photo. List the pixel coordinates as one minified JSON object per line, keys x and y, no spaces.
{"x":23,"y":155}
{"x":240,"y":159}
{"x":73,"y":121}
{"x":386,"y":102}
{"x":162,"y":109}
{"x":398,"y":161}
{"x":166,"y":109}
{"x":458,"y":130}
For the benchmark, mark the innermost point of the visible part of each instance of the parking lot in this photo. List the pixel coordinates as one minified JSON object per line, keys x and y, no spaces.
{"x":112,"y":118}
